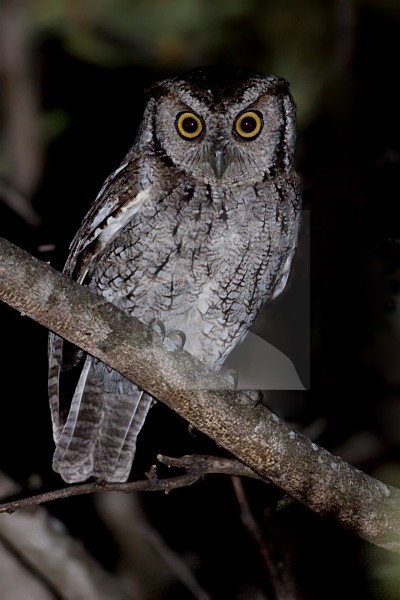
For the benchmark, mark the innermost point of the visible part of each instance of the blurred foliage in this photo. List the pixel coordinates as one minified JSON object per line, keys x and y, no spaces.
{"x":290,"y":38}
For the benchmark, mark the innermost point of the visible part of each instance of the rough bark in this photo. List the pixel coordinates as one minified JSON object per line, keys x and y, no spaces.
{"x":305,"y":471}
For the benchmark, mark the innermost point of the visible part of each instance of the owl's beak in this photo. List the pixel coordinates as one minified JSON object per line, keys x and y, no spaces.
{"x":219,"y":161}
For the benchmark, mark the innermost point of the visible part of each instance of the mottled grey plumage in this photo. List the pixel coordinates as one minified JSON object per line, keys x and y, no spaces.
{"x":195,"y":231}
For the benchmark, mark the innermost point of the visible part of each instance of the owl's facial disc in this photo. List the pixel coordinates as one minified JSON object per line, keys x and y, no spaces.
{"x":230,"y":132}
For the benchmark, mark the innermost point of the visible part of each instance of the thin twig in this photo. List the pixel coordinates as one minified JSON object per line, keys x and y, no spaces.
{"x":145,"y":559}
{"x":252,"y":527}
{"x":196,"y":466}
{"x":280,"y":582}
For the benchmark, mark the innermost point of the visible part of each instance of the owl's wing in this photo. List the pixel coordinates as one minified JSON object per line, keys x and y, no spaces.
{"x":96,"y":413}
{"x":291,"y":189}
{"x":120,"y":198}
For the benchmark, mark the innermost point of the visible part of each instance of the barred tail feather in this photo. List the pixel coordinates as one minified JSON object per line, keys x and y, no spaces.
{"x":55,"y":360}
{"x":73,"y":455}
{"x":124,"y":416}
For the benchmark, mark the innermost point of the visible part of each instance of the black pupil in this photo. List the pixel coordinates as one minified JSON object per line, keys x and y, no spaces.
{"x":248,"y":124}
{"x":190,"y":125}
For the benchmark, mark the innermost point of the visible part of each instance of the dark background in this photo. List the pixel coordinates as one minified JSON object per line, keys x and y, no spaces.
{"x":87,"y":65}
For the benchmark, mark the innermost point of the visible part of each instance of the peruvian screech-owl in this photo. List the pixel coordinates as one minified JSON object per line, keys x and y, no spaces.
{"x":196,"y":228}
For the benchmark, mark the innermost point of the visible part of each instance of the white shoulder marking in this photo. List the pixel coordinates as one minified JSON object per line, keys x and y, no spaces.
{"x":114,"y":224}
{"x":103,"y":211}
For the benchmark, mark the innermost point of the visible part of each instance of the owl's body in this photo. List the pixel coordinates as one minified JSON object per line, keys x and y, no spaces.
{"x":197,"y":228}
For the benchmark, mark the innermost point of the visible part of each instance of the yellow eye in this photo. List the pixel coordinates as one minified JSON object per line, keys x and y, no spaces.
{"x":189,"y":125}
{"x":249,"y":124}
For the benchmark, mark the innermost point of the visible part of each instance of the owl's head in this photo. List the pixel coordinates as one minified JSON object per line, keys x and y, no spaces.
{"x":224,"y":126}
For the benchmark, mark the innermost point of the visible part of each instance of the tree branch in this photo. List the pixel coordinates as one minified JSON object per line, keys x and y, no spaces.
{"x":195,"y":465}
{"x":308,"y":473}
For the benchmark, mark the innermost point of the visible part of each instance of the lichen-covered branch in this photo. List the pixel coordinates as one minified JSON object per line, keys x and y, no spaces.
{"x":308,"y":473}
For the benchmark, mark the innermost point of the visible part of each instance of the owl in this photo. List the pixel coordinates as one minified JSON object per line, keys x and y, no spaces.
{"x":197,"y":229}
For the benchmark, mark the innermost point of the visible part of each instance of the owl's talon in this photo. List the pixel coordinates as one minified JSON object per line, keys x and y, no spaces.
{"x":233,"y":376}
{"x":175,"y":340}
{"x":156,"y":330}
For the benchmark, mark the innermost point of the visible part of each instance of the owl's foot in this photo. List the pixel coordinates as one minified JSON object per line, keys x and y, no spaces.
{"x":175,"y":340}
{"x":156,"y":331}
{"x":233,"y":376}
